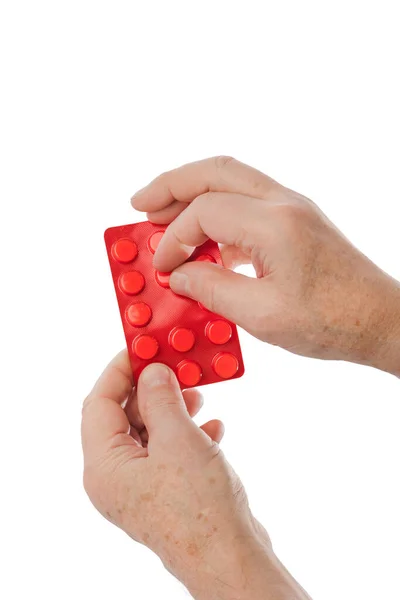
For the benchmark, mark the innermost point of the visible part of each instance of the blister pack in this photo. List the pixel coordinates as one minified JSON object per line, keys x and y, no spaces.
{"x":160,"y":326}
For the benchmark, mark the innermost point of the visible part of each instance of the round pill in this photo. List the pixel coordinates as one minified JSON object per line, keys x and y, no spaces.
{"x":181,"y":339}
{"x":219,"y":332}
{"x":138,"y":314}
{"x":124,"y":250}
{"x":131,"y":282}
{"x":154,"y":240}
{"x":189,"y":373}
{"x":162,"y":279}
{"x":145,"y":346}
{"x":205,"y":258}
{"x":225,"y":364}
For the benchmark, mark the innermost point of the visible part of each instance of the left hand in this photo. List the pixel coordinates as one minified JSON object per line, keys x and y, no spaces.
{"x":152,"y":472}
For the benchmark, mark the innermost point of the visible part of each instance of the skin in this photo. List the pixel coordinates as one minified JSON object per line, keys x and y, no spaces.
{"x":314,"y":293}
{"x":148,"y":468}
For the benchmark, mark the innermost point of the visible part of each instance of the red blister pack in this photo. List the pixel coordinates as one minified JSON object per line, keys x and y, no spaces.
{"x":160,"y":326}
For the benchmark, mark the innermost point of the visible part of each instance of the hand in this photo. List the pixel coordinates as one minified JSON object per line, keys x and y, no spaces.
{"x":151,"y":471}
{"x":315,"y":294}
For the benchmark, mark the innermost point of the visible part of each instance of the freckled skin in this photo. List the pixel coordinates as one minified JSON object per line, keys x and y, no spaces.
{"x":178,"y":496}
{"x":166,"y":482}
{"x":192,"y":549}
{"x":146,"y":497}
{"x":314,"y":293}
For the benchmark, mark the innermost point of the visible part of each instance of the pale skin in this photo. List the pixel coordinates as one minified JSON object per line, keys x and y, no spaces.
{"x":148,"y":468}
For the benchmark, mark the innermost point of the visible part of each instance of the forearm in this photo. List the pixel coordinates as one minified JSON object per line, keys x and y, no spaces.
{"x":264,"y":579}
{"x":250,"y":571}
{"x":360,"y":318}
{"x":382,"y":332}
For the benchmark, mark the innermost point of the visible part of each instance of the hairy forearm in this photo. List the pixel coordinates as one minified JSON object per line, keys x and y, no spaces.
{"x":383,"y":332}
{"x":364,"y":319}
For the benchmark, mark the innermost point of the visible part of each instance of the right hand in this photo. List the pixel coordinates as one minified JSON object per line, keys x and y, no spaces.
{"x":315,"y":294}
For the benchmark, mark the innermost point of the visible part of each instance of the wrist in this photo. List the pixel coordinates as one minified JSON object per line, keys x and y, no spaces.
{"x":240,"y":565}
{"x":364,"y":327}
{"x":384,"y":329}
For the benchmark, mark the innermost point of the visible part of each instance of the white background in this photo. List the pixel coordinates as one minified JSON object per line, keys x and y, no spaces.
{"x":96,"y":99}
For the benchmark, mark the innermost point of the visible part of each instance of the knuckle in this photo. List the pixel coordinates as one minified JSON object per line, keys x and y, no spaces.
{"x":163,"y":180}
{"x":211,"y":297}
{"x":162,"y":399}
{"x":295,"y":213}
{"x":175,"y":232}
{"x":162,"y":177}
{"x":221,"y":162}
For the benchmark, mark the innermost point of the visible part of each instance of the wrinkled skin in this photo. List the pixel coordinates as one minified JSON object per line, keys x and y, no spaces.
{"x":314,"y":293}
{"x":148,"y":468}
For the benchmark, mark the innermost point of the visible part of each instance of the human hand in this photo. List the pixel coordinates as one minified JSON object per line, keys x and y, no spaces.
{"x":152,"y":472}
{"x":315,"y":294}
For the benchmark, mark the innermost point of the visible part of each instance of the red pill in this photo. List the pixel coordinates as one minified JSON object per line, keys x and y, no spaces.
{"x":154,"y":240}
{"x":162,"y":279}
{"x":181,"y":339}
{"x":124,"y":250}
{"x":219,"y":332}
{"x":131,"y":282}
{"x":189,"y":373}
{"x":225,"y":364}
{"x":145,"y":346}
{"x":138,"y":314}
{"x":161,"y":325}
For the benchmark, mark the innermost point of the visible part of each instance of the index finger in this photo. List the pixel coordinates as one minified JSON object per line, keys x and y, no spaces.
{"x":104,"y":422}
{"x":230,"y":219}
{"x":184,"y":184}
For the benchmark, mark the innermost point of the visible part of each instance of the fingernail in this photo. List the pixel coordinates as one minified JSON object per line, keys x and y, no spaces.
{"x":155,"y":375}
{"x":179,"y":282}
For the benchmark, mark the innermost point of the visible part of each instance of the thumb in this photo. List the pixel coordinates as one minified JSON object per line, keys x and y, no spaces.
{"x":161,"y":403}
{"x":224,"y":292}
